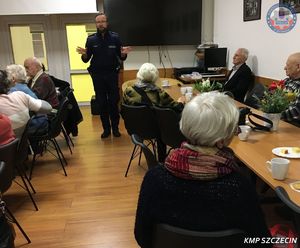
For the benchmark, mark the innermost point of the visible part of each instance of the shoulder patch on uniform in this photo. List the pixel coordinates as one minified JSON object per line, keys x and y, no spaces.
{"x":114,"y":34}
{"x":91,"y":35}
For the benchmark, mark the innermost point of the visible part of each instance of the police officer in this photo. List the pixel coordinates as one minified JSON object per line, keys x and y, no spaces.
{"x":106,"y":54}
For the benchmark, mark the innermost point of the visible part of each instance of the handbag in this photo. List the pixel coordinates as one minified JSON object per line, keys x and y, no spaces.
{"x":7,"y":231}
{"x":38,"y":125}
{"x":246,"y":112}
{"x":145,"y":99}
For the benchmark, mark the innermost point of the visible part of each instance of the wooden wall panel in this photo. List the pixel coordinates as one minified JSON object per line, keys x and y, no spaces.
{"x":264,"y":80}
{"x":131,"y":74}
{"x":169,"y":73}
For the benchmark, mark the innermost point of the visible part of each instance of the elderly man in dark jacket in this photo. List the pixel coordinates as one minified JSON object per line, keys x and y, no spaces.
{"x":40,"y":83}
{"x":240,"y":79}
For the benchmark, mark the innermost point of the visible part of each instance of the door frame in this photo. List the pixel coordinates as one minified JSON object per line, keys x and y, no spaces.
{"x":55,"y":39}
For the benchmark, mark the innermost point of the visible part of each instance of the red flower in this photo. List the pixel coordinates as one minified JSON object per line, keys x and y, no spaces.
{"x":281,"y":84}
{"x":273,"y":86}
{"x":276,"y":85}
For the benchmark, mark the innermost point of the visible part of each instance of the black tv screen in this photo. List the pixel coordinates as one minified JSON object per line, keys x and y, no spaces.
{"x":155,"y":22}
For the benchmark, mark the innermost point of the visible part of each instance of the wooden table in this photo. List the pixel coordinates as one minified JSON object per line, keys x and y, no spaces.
{"x":217,"y":78}
{"x":258,"y":148}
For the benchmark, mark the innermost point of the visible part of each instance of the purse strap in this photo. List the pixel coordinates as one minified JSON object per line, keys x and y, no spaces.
{"x":145,"y":99}
{"x":257,"y":126}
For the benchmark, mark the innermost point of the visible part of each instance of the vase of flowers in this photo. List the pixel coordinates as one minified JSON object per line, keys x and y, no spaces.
{"x":275,"y":118}
{"x":206,"y":85}
{"x":275,"y":100}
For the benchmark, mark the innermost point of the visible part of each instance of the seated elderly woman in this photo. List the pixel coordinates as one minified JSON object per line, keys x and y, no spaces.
{"x":17,"y":105}
{"x":16,"y":74}
{"x":145,"y":92}
{"x":200,"y":186}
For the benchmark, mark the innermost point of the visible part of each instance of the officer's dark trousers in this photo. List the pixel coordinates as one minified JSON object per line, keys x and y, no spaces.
{"x":107,"y":95}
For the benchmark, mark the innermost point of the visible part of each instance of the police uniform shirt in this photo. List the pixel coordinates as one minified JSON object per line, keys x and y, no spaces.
{"x":105,"y":51}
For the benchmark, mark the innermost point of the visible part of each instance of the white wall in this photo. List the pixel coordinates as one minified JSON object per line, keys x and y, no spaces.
{"x":171,"y":56}
{"x":269,"y":50}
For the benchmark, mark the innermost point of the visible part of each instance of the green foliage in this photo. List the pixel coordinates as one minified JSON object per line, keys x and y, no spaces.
{"x":206,"y":86}
{"x":274,"y":101}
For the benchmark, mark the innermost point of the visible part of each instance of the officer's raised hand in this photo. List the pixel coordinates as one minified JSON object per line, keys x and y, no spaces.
{"x":125,"y":50}
{"x":81,"y":50}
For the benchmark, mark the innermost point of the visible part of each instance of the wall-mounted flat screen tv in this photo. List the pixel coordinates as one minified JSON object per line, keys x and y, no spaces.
{"x":155,"y":22}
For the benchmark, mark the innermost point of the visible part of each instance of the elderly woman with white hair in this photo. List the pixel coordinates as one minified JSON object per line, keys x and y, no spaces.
{"x":200,"y":186}
{"x":145,"y":92}
{"x":16,"y":105}
{"x":16,"y":74}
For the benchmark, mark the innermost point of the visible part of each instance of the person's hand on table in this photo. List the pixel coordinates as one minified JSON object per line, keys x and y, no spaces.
{"x":182,"y":99}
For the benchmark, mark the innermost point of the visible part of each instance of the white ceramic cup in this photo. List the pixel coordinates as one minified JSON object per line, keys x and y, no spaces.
{"x":245,"y":132}
{"x":165,"y":83}
{"x":183,"y":90}
{"x":189,"y":89}
{"x":278,"y":167}
{"x":188,"y":96}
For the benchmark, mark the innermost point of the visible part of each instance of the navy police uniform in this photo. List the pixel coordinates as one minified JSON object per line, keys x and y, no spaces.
{"x":105,"y":54}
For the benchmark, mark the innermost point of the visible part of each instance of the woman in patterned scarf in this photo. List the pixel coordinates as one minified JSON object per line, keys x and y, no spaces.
{"x":200,"y":186}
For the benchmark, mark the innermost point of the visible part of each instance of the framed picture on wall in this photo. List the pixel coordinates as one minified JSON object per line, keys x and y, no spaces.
{"x":252,"y":10}
{"x":293,"y":3}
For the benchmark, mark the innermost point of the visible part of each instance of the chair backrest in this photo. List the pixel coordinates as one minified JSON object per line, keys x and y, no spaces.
{"x":168,"y":122}
{"x":140,"y":120}
{"x":170,"y":236}
{"x":252,"y":97}
{"x":150,"y":158}
{"x":23,"y":146}
{"x":8,"y":154}
{"x":55,"y":122}
{"x":3,"y":174}
{"x":284,"y":197}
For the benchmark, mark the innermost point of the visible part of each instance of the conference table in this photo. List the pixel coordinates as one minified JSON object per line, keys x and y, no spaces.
{"x":257,"y":150}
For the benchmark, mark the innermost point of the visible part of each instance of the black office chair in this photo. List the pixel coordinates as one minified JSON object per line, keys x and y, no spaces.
{"x":294,"y":208}
{"x":254,"y":95}
{"x":168,"y":121}
{"x":21,"y":157}
{"x":150,"y":158}
{"x":13,"y":155}
{"x":6,"y":177}
{"x":65,"y":103}
{"x":175,"y":237}
{"x":140,"y":120}
{"x":46,"y":140}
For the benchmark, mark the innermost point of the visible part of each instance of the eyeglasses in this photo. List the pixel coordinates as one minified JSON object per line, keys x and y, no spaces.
{"x":101,"y":21}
